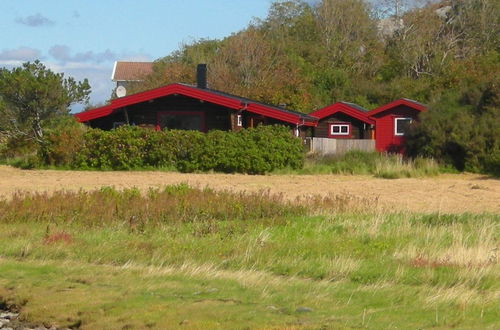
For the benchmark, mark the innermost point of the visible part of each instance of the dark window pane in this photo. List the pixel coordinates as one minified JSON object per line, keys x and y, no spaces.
{"x":402,"y":125}
{"x":184,"y":121}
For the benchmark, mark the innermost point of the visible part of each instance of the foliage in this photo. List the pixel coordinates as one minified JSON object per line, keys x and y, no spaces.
{"x":32,"y":94}
{"x":462,"y":129}
{"x":63,"y":141}
{"x":255,"y":151}
{"x":310,"y":54}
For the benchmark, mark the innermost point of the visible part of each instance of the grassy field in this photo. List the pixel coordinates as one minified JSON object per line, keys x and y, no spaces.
{"x":191,"y":258}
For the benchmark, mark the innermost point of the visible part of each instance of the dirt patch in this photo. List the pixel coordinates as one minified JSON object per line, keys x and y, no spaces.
{"x":448,"y":193}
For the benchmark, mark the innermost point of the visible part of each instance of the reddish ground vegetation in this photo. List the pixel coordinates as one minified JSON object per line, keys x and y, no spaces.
{"x":58,"y":237}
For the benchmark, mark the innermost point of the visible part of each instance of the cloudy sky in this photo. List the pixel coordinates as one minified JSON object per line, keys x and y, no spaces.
{"x":83,"y":38}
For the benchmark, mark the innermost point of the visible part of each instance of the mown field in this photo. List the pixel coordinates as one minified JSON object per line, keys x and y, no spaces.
{"x":182,"y":257}
{"x":445,"y":193}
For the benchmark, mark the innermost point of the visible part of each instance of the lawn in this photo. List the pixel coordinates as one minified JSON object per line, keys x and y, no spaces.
{"x":198,"y":258}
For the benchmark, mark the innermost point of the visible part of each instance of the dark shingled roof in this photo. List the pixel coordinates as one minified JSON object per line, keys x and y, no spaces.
{"x":354,"y":105}
{"x":413,"y":101}
{"x":246,"y":100}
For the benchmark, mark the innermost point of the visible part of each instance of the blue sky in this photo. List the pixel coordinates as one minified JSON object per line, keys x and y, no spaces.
{"x":84,"y":38}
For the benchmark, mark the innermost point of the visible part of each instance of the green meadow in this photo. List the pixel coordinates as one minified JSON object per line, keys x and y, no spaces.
{"x":196,"y":258}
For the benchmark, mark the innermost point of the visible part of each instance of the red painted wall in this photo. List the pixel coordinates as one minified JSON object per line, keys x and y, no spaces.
{"x":386,"y":140}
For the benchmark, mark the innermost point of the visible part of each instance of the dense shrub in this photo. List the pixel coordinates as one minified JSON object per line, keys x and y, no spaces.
{"x":253,"y":151}
{"x":13,"y":147}
{"x":120,"y":149}
{"x":462,"y":129}
{"x":63,"y":141}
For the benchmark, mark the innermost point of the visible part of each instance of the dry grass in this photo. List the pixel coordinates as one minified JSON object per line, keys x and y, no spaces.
{"x":444,"y":193}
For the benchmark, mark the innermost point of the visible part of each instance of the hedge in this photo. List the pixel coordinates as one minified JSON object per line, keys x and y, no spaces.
{"x":254,"y":150}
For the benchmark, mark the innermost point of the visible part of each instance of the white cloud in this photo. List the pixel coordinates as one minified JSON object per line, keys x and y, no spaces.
{"x":62,"y":53}
{"x":98,"y":76}
{"x":35,"y":20}
{"x":95,"y":66}
{"x":21,"y":54}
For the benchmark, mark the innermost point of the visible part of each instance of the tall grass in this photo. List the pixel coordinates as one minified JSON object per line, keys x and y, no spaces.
{"x":389,"y":166}
{"x":176,"y":203}
{"x":348,"y":259}
{"x":314,"y":237}
{"x":172,"y":204}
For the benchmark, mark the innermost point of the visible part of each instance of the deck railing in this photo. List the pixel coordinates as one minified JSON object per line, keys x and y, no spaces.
{"x":326,"y":146}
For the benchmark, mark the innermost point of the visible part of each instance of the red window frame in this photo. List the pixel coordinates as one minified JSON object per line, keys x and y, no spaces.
{"x":347,"y":135}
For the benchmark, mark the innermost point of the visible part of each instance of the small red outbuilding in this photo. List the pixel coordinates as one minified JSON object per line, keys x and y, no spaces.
{"x":343,"y":120}
{"x":392,"y":121}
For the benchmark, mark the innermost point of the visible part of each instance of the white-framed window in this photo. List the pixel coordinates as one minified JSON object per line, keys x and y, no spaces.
{"x":340,"y":129}
{"x":239,"y":121}
{"x":401,"y":125}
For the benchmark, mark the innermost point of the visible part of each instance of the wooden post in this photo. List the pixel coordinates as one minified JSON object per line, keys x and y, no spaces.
{"x":232,"y":118}
{"x":126,"y":116}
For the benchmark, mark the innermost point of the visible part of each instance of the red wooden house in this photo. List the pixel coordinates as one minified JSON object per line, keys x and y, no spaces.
{"x":181,"y":106}
{"x":343,"y":120}
{"x":392,"y":121}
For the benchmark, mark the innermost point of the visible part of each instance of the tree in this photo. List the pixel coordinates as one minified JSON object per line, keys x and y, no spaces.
{"x":32,"y":94}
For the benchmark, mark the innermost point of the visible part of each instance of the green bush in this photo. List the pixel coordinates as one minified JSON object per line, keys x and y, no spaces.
{"x":63,"y":141}
{"x":462,"y":129}
{"x":17,"y":147}
{"x":254,"y":151}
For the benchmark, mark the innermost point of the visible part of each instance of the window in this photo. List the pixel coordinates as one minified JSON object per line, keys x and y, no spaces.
{"x":340,"y":129}
{"x":401,"y":125}
{"x":183,"y":120}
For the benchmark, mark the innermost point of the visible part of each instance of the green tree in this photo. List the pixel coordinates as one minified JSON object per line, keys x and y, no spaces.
{"x":32,"y":94}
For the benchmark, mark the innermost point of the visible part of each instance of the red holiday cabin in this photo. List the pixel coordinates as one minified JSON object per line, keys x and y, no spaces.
{"x":392,"y":121}
{"x":343,"y":120}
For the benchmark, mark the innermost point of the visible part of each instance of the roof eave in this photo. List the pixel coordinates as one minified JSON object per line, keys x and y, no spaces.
{"x":410,"y":103}
{"x":197,"y":93}
{"x":344,"y":108}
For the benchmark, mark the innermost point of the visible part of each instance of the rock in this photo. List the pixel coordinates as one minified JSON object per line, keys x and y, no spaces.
{"x":303,"y":310}
{"x":8,"y":315}
{"x":272,"y":308}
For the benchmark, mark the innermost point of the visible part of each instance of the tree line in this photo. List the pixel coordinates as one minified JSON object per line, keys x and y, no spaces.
{"x":310,"y":55}
{"x":306,"y":55}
